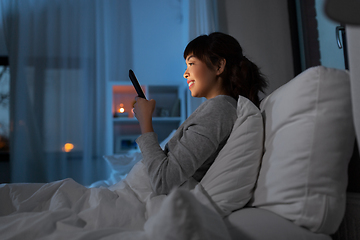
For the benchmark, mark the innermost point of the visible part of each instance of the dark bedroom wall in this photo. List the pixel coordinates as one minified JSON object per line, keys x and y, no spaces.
{"x":262,"y":28}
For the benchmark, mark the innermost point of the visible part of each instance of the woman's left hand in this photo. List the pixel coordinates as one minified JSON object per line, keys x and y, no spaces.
{"x":143,"y":110}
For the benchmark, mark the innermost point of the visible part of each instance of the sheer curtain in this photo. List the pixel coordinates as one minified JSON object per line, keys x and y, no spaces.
{"x":200,"y":17}
{"x":61,"y":54}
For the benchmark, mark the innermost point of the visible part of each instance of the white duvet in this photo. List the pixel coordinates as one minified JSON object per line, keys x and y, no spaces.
{"x":126,"y":210}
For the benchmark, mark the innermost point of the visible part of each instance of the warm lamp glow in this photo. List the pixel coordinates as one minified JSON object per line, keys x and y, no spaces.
{"x":68,"y":147}
{"x":121,"y":109}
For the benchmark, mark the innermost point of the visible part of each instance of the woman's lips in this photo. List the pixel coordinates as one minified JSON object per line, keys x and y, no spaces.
{"x":190,"y":83}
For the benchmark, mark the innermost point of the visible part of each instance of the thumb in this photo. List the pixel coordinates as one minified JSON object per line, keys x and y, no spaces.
{"x":153,"y":103}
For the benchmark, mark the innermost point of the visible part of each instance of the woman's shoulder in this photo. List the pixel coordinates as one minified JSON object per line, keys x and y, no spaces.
{"x":221,"y":102}
{"x":221,"y":106}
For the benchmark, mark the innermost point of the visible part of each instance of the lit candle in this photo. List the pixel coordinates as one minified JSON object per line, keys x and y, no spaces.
{"x":121,"y":111}
{"x":68,"y":147}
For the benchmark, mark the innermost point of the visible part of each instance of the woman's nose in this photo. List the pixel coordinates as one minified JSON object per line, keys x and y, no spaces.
{"x":186,"y":74}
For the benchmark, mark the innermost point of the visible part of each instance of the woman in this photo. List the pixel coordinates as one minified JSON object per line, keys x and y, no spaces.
{"x":218,"y":71}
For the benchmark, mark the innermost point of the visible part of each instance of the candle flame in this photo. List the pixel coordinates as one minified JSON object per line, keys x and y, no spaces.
{"x":121,"y":109}
{"x":68,"y":147}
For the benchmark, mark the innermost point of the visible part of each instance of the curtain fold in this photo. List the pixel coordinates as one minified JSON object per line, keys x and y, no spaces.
{"x":200,"y":17}
{"x":204,"y":14}
{"x":61,"y":54}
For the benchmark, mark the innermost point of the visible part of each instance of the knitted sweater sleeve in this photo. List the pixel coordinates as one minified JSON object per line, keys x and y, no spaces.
{"x":200,"y":137}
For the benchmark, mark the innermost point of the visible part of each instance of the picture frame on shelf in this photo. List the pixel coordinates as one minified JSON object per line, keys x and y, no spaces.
{"x":125,"y":143}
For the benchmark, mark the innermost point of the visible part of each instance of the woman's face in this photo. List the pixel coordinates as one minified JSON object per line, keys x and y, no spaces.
{"x":202,"y":81}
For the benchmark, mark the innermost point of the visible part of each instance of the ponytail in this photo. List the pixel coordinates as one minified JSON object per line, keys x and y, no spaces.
{"x":247,"y":81}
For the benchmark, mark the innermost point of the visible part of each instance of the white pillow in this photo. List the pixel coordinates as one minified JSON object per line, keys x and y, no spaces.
{"x":121,"y":164}
{"x":309,"y":137}
{"x":260,"y":224}
{"x":231,"y":178}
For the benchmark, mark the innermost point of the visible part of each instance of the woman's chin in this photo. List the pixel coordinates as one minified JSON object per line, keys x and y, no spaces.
{"x":196,"y":94}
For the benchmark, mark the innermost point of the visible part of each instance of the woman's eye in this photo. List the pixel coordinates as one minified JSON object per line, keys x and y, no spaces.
{"x":190,"y":64}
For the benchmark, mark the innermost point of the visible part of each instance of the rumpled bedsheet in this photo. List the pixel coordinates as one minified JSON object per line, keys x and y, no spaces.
{"x":127,"y":210}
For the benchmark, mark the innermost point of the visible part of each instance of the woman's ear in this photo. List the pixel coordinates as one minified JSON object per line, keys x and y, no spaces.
{"x":221,"y":66}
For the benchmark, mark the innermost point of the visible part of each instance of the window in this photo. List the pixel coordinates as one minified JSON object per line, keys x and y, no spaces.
{"x":4,"y":119}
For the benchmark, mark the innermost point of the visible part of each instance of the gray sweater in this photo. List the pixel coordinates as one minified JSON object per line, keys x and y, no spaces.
{"x":193,"y":148}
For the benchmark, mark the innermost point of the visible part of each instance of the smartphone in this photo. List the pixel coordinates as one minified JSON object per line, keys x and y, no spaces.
{"x":136,"y":84}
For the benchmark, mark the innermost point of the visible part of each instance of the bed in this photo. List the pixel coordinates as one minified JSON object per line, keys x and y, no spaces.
{"x":281,"y":175}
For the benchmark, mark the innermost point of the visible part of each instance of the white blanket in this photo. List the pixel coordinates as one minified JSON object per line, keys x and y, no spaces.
{"x":126,"y":210}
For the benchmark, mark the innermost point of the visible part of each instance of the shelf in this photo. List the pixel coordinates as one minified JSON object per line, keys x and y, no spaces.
{"x":124,"y":96}
{"x":154,"y":119}
{"x":123,"y":130}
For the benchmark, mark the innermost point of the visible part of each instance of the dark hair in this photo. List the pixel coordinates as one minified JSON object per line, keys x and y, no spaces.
{"x":240,"y":76}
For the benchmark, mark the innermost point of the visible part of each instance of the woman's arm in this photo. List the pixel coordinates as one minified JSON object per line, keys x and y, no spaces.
{"x":197,"y":140}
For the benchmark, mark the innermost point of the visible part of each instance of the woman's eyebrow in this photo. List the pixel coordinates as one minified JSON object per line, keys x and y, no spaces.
{"x":189,"y":57}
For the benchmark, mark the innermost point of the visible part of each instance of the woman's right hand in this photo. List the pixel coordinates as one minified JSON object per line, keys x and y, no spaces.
{"x":143,"y":110}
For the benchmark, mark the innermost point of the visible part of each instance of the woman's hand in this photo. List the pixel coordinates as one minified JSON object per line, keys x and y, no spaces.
{"x":143,"y":110}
